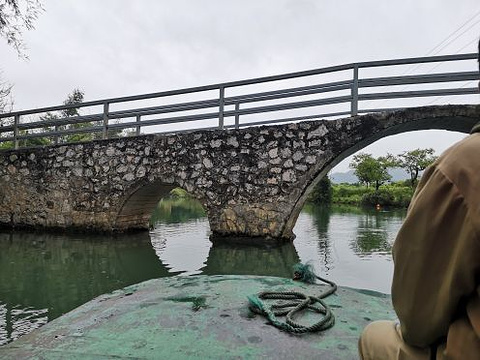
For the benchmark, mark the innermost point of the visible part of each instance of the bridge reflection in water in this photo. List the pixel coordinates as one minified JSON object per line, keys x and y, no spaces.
{"x":43,"y":275}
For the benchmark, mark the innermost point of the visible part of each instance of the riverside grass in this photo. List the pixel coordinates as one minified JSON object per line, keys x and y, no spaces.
{"x":397,"y":195}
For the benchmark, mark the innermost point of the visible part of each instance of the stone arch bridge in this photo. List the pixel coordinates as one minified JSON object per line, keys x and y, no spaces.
{"x":252,"y":182}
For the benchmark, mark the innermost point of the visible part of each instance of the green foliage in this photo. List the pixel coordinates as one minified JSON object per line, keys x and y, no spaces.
{"x":75,"y":98}
{"x":402,"y":193}
{"x":381,"y":197}
{"x":348,"y":194}
{"x":179,"y":193}
{"x":395,"y":195}
{"x":374,"y":171}
{"x":371,"y":171}
{"x":6,"y":145}
{"x":416,"y":161}
{"x":36,"y":141}
{"x":17,"y":16}
{"x":322,"y":192}
{"x":177,"y":209}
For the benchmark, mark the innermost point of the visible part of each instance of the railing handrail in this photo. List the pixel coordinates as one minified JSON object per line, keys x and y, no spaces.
{"x":251,"y":81}
{"x":221,"y":104}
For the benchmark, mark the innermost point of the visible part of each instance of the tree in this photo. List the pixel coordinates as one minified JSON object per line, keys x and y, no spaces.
{"x":6,"y":101}
{"x":416,"y":161}
{"x":371,"y":171}
{"x":74,"y":98}
{"x":322,"y":192}
{"x":16,"y":16}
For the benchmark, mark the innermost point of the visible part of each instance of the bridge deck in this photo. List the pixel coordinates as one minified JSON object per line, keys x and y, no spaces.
{"x":200,"y":317}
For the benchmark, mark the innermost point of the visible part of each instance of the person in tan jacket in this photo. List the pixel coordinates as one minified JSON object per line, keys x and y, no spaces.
{"x":436,"y":280}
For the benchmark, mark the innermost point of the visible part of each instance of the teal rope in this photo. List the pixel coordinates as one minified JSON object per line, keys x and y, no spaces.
{"x":292,"y":303}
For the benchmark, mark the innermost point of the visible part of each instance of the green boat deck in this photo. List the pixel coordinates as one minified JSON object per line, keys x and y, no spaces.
{"x":198,"y":317}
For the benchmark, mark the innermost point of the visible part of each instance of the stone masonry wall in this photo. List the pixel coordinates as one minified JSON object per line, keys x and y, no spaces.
{"x":252,"y":182}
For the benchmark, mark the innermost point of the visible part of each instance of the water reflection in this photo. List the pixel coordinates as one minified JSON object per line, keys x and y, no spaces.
{"x":348,"y":244}
{"x":351,"y":246}
{"x":45,"y":275}
{"x":321,"y":220}
{"x":374,"y":233}
{"x":176,"y":210}
{"x":182,"y":247}
{"x":371,"y":236}
{"x":231,"y":259}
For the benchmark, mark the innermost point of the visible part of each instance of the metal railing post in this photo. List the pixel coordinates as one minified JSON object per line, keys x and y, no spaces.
{"x":105,"y":121}
{"x":237,"y":115}
{"x":55,"y":138}
{"x":228,"y":108}
{"x":137,"y":129}
{"x":221,"y":106}
{"x":15,"y":131}
{"x":354,"y":103}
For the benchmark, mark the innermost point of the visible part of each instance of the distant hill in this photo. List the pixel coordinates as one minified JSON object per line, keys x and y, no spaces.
{"x":343,"y":177}
{"x":398,"y":174}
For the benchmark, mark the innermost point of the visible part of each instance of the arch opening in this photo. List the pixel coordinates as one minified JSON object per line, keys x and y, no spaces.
{"x":178,"y":206}
{"x":137,"y":209}
{"x":444,"y":135}
{"x":148,"y":203}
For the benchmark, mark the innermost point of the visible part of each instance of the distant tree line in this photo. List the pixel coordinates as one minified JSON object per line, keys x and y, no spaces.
{"x":374,"y":187}
{"x":74,"y":99}
{"x":374,"y":171}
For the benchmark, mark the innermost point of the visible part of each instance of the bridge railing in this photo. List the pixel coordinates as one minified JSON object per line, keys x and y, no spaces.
{"x":235,"y":104}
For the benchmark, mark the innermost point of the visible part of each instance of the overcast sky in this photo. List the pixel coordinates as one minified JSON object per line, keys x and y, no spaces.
{"x":112,"y":48}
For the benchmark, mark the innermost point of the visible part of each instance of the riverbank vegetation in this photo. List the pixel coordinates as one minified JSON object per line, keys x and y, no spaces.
{"x":397,"y":195}
{"x":374,"y":187}
{"x":179,"y":206}
{"x":393,"y":195}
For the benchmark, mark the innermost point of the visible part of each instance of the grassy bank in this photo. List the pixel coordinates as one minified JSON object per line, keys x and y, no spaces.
{"x":397,"y":195}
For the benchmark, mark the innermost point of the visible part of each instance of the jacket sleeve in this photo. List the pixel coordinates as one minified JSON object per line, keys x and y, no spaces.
{"x":436,"y":258}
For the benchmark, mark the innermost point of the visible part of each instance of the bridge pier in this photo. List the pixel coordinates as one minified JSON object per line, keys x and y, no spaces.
{"x":247,"y":223}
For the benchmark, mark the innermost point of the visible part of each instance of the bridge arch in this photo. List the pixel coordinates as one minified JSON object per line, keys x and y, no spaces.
{"x":141,"y":199}
{"x":252,"y":182}
{"x":139,"y":203}
{"x":427,"y":121}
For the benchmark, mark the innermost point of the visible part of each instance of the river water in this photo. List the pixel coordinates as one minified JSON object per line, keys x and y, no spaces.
{"x":43,"y":276}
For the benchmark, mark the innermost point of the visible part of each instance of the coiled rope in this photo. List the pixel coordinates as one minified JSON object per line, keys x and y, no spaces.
{"x":292,"y":303}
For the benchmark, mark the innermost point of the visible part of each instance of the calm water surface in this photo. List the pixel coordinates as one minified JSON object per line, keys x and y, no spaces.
{"x":43,"y":276}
